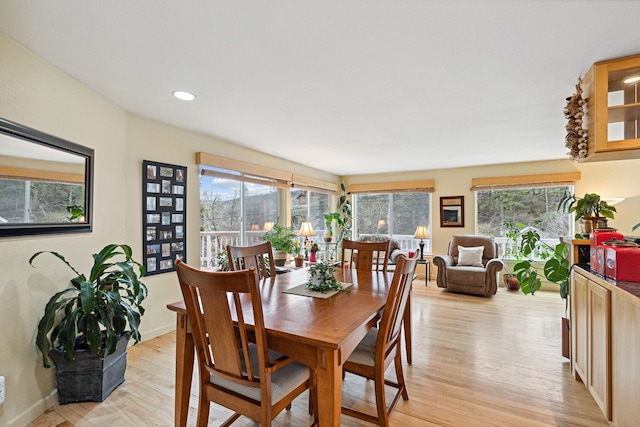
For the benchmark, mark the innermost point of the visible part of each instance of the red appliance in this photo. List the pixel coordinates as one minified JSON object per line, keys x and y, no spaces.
{"x":623,"y":263}
{"x":597,"y":257}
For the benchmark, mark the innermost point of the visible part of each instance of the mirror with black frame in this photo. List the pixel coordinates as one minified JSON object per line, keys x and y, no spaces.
{"x":46,"y":183}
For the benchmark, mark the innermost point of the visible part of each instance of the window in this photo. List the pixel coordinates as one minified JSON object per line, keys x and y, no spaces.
{"x":234,"y":209}
{"x":393,"y":214}
{"x":307,"y":205}
{"x":534,"y":207}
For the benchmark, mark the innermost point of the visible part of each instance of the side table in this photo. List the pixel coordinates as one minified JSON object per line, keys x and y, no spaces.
{"x":427,"y":269}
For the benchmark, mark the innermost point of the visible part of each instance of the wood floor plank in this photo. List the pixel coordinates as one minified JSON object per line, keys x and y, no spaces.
{"x":476,"y":362}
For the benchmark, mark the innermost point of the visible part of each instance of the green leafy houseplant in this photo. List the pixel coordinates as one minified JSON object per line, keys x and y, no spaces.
{"x":322,"y":279}
{"x":555,"y":269}
{"x":95,"y":309}
{"x":281,"y":238}
{"x":342,"y":217}
{"x":512,"y":252}
{"x":590,"y":207}
{"x":330,"y":218}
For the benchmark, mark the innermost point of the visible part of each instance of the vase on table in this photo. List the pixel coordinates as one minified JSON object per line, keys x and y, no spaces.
{"x":312,"y":256}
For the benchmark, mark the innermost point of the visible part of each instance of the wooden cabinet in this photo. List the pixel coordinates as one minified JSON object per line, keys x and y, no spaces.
{"x":625,"y":355}
{"x":579,"y":289}
{"x":612,"y":90}
{"x":605,"y":316}
{"x":590,"y":318}
{"x":599,"y":346}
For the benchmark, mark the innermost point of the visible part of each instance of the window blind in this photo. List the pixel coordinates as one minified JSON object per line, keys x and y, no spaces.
{"x":525,"y":181}
{"x":422,"y":186}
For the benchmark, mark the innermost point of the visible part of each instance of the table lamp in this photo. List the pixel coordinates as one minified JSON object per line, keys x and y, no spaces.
{"x":306,"y":230}
{"x":268,"y":226}
{"x":421,"y":233}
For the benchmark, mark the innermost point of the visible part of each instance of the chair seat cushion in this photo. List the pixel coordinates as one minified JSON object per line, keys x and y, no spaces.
{"x":283,"y":381}
{"x":365,"y":352}
{"x":467,"y":276}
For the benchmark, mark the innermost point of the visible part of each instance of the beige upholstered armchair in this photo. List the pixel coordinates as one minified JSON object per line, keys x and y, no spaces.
{"x":471,"y":266}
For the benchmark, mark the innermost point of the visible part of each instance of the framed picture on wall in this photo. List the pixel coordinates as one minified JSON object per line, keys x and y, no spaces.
{"x":163,"y":216}
{"x":452,"y":211}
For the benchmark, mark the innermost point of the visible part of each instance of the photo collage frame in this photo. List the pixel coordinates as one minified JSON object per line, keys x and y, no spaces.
{"x":163,"y":216}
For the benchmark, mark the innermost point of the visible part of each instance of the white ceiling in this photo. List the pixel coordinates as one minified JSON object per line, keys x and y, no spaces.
{"x":346,"y":86}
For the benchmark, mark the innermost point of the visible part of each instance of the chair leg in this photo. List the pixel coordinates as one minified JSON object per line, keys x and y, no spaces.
{"x":381,"y":401}
{"x":400,"y":375}
{"x":203,"y":410}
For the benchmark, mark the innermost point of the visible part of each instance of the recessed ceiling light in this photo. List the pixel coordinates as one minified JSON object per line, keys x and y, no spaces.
{"x":184,"y":95}
{"x":632,"y":80}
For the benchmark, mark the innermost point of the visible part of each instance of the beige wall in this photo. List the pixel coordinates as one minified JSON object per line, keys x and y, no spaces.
{"x":609,"y":179}
{"x":36,"y":94}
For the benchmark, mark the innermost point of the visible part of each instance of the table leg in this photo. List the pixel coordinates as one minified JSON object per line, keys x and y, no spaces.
{"x":329,"y":376}
{"x":185,"y":351}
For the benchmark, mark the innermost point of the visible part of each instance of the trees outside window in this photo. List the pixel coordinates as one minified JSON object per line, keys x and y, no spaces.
{"x":394,"y":214}
{"x":534,"y":207}
{"x":307,"y":205}
{"x":233,"y":212}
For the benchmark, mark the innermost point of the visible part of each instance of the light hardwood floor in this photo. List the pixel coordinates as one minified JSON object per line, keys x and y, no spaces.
{"x":476,"y":362}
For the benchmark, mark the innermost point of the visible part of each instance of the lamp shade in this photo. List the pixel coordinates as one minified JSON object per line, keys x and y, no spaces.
{"x":306,"y":229}
{"x":268,"y":225}
{"x":421,"y":232}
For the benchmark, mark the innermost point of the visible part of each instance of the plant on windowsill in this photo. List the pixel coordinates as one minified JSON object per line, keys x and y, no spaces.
{"x":86,"y":323}
{"x":342,"y":217}
{"x":329,"y":220}
{"x":298,"y":257}
{"x":281,"y":239}
{"x":591,"y":211}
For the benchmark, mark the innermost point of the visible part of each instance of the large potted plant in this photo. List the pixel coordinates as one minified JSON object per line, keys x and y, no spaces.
{"x":591,"y":211}
{"x":555,"y":269}
{"x":85,"y":328}
{"x":281,"y":239}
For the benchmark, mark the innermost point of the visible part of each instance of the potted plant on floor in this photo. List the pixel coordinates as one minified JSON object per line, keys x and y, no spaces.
{"x":591,"y":211}
{"x":281,"y":239}
{"x":511,"y":253}
{"x":85,"y":328}
{"x":555,"y":269}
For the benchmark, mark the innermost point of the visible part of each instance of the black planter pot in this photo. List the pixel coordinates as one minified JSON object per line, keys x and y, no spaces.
{"x":90,"y":377}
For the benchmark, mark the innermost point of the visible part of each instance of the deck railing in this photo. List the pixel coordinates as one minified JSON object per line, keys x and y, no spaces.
{"x":214,"y":242}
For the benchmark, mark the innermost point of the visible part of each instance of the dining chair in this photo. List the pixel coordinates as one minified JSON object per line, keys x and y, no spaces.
{"x":381,"y":346}
{"x":365,"y":255}
{"x":237,"y":372}
{"x":258,"y":256}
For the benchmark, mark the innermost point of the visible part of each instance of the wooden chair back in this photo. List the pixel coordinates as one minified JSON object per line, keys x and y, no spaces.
{"x":258,"y":256}
{"x":365,"y":255}
{"x":216,"y":303}
{"x":234,"y":359}
{"x":395,"y":307}
{"x":373,"y":364}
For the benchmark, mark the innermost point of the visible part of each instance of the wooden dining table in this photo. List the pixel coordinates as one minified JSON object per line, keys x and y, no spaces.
{"x":319,"y":332}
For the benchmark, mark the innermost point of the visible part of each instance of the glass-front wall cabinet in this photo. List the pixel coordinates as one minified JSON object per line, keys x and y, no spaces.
{"x":613,"y":109}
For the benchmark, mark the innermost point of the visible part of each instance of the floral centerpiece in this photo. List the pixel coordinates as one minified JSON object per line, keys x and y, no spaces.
{"x":321,"y":278}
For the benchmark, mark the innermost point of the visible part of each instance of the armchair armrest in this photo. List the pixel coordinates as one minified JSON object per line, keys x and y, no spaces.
{"x":493,"y":267}
{"x":442,"y":262}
